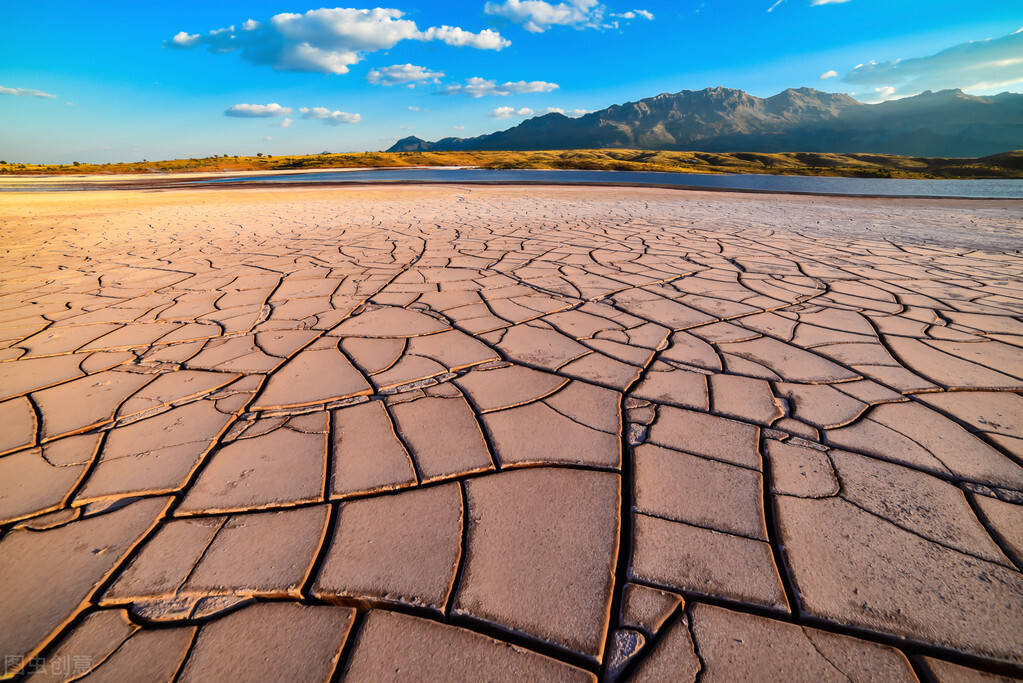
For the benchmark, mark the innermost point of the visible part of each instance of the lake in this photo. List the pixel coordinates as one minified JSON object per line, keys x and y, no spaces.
{"x":854,"y":187}
{"x":896,"y":187}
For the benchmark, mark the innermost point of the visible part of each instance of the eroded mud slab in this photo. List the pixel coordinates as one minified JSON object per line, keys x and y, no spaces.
{"x":509,"y":434}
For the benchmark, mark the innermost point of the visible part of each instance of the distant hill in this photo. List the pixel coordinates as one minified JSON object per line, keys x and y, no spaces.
{"x":1004,"y":165}
{"x":948,"y":123}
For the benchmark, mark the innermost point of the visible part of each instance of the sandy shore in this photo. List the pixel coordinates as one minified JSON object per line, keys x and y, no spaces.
{"x":495,"y":432}
{"x":992,"y":224}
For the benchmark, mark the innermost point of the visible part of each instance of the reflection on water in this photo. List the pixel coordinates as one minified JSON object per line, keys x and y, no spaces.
{"x":892,"y":187}
{"x":999,"y":188}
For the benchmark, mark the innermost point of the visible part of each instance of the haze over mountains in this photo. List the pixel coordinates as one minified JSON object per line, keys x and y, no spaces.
{"x":949,"y":123}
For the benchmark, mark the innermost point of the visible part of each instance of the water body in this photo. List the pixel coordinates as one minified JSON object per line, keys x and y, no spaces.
{"x":853,"y":187}
{"x":895,"y":187}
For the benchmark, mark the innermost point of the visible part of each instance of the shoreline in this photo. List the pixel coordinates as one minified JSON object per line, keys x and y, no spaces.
{"x":624,"y":185}
{"x":216,"y":181}
{"x":1006,"y":165}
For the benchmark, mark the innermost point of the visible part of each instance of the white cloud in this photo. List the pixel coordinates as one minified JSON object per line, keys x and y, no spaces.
{"x":26,"y":92}
{"x":519,"y":87}
{"x":538,"y":16}
{"x":400,"y":74}
{"x":487,"y":39}
{"x":976,"y":66}
{"x":508,"y":112}
{"x":882,"y":94}
{"x":257,"y":110}
{"x":632,"y":14}
{"x":459,"y":127}
{"x":182,"y":39}
{"x":286,"y":123}
{"x":333,"y":118}
{"x":830,"y":73}
{"x":567,"y":112}
{"x":328,"y":40}
{"x":481,"y":87}
{"x":991,"y":86}
{"x":411,"y":108}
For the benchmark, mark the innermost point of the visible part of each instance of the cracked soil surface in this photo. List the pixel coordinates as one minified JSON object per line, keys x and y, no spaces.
{"x":466,"y":433}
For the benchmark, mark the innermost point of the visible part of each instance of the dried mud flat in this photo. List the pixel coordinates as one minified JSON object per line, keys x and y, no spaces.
{"x":505,"y":433}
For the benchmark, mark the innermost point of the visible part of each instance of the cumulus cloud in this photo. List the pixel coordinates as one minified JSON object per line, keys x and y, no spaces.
{"x":26,"y":92}
{"x":977,"y":66}
{"x":567,"y":112}
{"x":880,"y":95}
{"x":487,"y":39}
{"x":333,"y":118}
{"x":481,"y":87}
{"x":182,"y":39}
{"x":632,"y":14}
{"x":508,"y":112}
{"x":402,"y":74}
{"x":251,"y":111}
{"x":327,"y":40}
{"x":830,"y":73}
{"x":519,"y":87}
{"x":537,"y":16}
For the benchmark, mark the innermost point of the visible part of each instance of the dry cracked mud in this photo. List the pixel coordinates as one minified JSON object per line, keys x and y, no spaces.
{"x":470,"y":433}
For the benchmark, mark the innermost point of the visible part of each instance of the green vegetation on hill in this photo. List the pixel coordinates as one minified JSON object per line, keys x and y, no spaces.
{"x":1007,"y":165}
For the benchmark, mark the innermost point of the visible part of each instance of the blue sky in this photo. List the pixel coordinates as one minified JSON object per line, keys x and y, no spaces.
{"x":123,"y":81}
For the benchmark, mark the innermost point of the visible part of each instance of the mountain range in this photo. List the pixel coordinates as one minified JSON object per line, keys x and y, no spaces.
{"x":949,"y":123}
